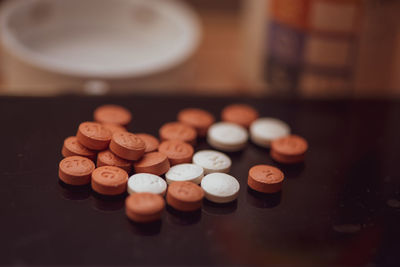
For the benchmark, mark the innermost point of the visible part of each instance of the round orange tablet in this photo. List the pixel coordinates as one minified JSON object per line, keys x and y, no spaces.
{"x":240,"y":114}
{"x":144,"y":207}
{"x":72,"y":147}
{"x":185,"y":196}
{"x":150,"y":142}
{"x":93,"y":135}
{"x":127,"y":145}
{"x":114,"y":127}
{"x":265,"y":179}
{"x":199,"y":119}
{"x":177,"y":151}
{"x":178,"y":131}
{"x":107,"y":158}
{"x":289,"y":149}
{"x":75,"y":170}
{"x":112,"y":114}
{"x":109,"y":180}
{"x":153,"y":162}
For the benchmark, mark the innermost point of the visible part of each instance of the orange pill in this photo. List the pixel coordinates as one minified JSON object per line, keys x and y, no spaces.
{"x":107,"y":158}
{"x":127,"y":145}
{"x":178,"y":131}
{"x":72,"y":147}
{"x":114,"y":127}
{"x":144,"y":207}
{"x":177,"y":151}
{"x":93,"y":135}
{"x":150,"y":142}
{"x":289,"y":149}
{"x":75,"y":170}
{"x":240,"y":114}
{"x":185,"y":196}
{"x":199,"y":119}
{"x":265,"y":179}
{"x":112,"y":114}
{"x":109,"y":180}
{"x":153,"y":162}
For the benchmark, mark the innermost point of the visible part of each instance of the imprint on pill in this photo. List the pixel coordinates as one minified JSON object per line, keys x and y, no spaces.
{"x":75,"y":170}
{"x":78,"y":165}
{"x":109,"y":180}
{"x":265,"y":179}
{"x":146,"y":182}
{"x":95,"y":130}
{"x":127,"y":139}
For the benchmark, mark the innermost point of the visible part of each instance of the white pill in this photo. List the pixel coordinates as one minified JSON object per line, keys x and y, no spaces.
{"x":185,"y":172}
{"x":212,"y":161}
{"x":264,"y":130}
{"x":146,"y":182}
{"x":227,"y":136}
{"x":220,"y":187}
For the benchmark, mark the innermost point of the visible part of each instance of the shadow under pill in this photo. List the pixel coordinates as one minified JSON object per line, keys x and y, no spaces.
{"x":73,"y":192}
{"x":183,"y":217}
{"x":263,"y":200}
{"x":146,"y":229}
{"x":219,"y":208}
{"x":108,"y":203}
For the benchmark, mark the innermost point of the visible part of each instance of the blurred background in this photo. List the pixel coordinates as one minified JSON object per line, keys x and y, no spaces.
{"x":306,"y":48}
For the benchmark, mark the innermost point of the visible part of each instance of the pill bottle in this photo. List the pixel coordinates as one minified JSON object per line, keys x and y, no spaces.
{"x":322,"y":47}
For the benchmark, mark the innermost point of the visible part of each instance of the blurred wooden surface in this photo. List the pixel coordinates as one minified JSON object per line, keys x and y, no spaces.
{"x":214,"y":68}
{"x":219,"y":66}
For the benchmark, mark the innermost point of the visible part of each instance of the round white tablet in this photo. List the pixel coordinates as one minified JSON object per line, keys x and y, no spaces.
{"x":264,"y":130}
{"x":212,"y":161}
{"x":185,"y":172}
{"x":146,"y":182}
{"x":220,"y":187}
{"x":227,"y":136}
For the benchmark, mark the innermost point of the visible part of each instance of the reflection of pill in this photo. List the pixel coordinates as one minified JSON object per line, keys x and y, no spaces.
{"x":107,"y":158}
{"x":150,"y":142}
{"x":109,"y":180}
{"x":289,"y":149}
{"x":153,"y":162}
{"x":112,"y":114}
{"x":265,"y":179}
{"x":185,"y":196}
{"x":227,"y":136}
{"x":112,"y":127}
{"x":93,"y":135}
{"x":72,"y":147}
{"x":176,"y":151}
{"x":127,"y":145}
{"x":75,"y":170}
{"x":144,"y":207}
{"x":240,"y":114}
{"x":265,"y":130}
{"x":212,"y":161}
{"x":185,"y":172}
{"x":146,"y":182}
{"x":220,"y":187}
{"x":199,"y":119}
{"x":178,"y":131}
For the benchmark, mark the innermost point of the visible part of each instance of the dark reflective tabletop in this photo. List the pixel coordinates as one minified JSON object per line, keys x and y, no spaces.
{"x":341,"y":207}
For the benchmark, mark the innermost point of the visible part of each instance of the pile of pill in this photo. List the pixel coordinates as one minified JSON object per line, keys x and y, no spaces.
{"x":114,"y":161}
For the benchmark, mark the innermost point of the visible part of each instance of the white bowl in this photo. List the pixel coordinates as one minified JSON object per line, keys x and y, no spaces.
{"x":105,"y":39}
